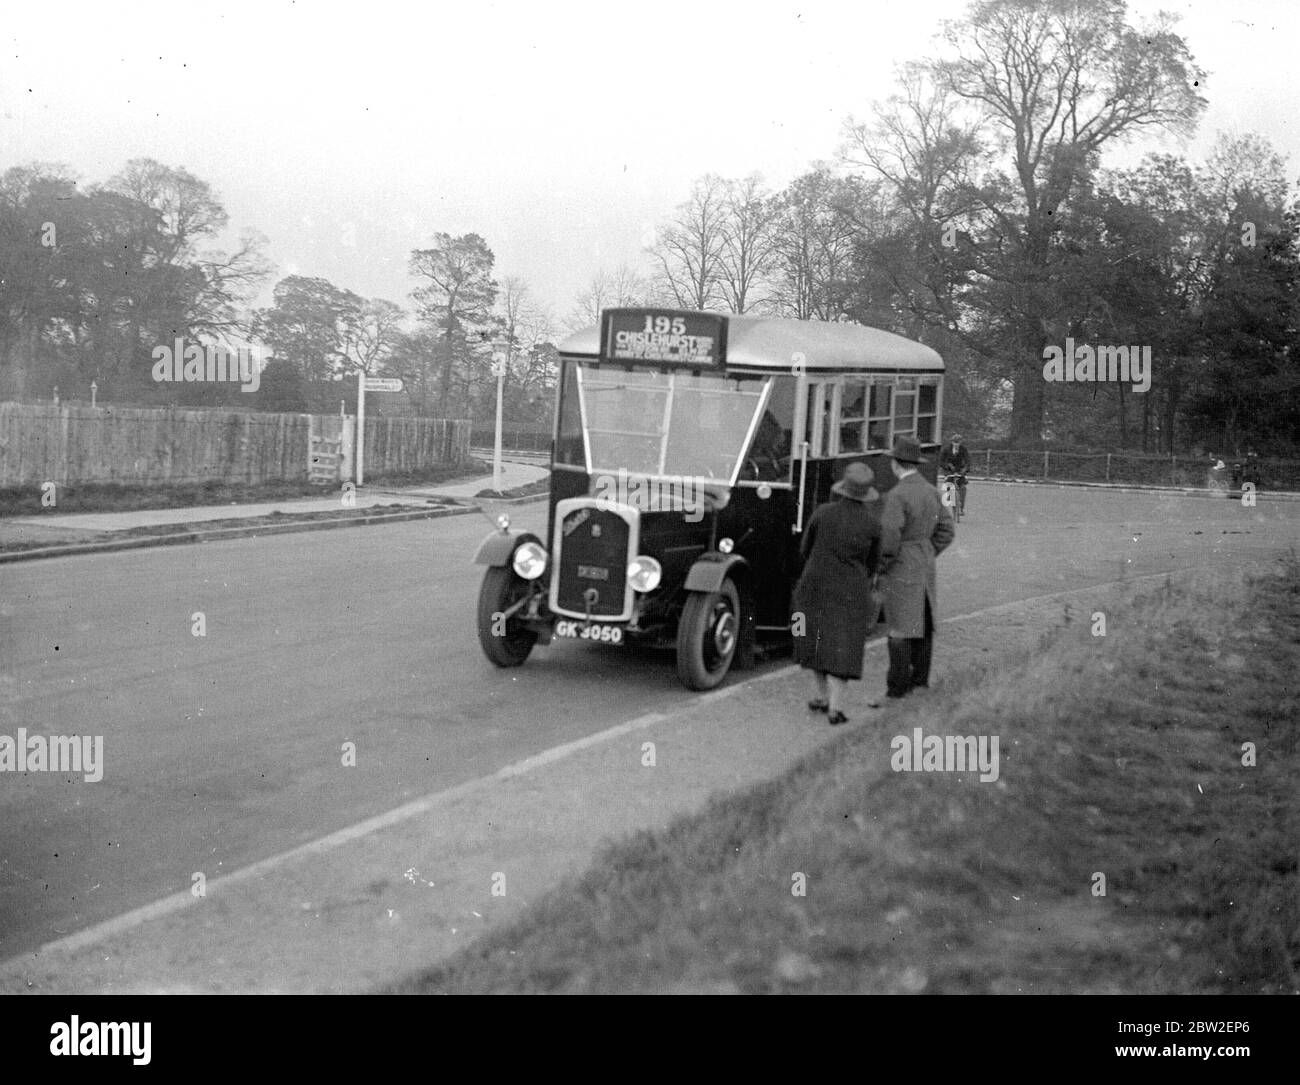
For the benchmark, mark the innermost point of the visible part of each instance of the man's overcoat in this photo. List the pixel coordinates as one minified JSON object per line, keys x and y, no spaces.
{"x":915,"y":527}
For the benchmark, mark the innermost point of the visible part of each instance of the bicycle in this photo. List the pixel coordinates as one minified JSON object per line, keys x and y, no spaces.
{"x":954,"y":494}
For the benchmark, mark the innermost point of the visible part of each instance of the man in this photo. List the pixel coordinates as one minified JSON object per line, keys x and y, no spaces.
{"x":915,"y":528}
{"x":955,"y":460}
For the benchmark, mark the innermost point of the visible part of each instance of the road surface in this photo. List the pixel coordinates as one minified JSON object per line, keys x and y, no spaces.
{"x":225,"y":748}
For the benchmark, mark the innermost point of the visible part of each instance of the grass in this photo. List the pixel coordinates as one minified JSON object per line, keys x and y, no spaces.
{"x":530,"y":489}
{"x":111,"y":497}
{"x":1121,"y":755}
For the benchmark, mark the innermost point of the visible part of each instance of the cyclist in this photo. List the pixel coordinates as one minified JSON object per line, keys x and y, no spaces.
{"x":955,"y":460}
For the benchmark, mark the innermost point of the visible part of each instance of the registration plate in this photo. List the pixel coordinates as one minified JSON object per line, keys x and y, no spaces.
{"x":605,"y":634}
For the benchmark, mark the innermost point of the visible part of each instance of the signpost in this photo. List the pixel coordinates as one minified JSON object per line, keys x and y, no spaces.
{"x":372,"y":384}
{"x":500,"y":358}
{"x":361,"y":423}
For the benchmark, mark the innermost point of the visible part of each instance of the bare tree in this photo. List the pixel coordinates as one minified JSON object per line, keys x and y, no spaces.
{"x":922,"y":153}
{"x":746,"y":253}
{"x":814,"y":234}
{"x":529,"y":329}
{"x":621,"y":287}
{"x":687,"y":254}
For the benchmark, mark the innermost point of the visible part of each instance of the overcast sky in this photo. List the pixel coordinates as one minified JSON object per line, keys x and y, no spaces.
{"x":562,"y":132}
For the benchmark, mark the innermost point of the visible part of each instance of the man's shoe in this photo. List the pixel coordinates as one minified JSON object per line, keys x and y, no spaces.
{"x":819,"y":705}
{"x":836,"y":718}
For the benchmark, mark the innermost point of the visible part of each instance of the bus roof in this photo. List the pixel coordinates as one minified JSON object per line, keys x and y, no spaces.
{"x":772,"y":343}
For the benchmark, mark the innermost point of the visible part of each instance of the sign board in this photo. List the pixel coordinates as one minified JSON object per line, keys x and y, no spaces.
{"x":663,"y":337}
{"x":383,"y":384}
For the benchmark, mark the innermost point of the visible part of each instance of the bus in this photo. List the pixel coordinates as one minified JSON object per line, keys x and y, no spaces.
{"x":688,"y":452}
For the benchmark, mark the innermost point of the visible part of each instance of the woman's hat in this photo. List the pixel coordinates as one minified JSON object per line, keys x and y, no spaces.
{"x":956,"y":438}
{"x":907,"y":450}
{"x":856,"y":483}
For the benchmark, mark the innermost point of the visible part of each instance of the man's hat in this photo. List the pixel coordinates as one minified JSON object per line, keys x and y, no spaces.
{"x":956,"y":438}
{"x":856,"y":483}
{"x":907,"y":450}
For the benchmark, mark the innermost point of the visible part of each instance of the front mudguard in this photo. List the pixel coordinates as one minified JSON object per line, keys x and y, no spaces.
{"x":499,"y":547}
{"x":712,"y":568}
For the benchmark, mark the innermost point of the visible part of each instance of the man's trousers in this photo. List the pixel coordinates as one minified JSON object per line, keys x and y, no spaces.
{"x":909,"y":659}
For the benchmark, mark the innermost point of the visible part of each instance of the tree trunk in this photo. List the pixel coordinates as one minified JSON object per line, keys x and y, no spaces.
{"x":1027,"y":405}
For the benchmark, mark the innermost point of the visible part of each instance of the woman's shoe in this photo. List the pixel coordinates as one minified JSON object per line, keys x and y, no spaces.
{"x":819,"y":705}
{"x":838,"y":718}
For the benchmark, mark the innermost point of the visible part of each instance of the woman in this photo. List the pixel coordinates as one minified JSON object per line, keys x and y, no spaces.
{"x":841,"y":546}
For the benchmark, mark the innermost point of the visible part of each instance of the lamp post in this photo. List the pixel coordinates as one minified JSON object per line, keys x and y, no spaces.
{"x":500,"y":359}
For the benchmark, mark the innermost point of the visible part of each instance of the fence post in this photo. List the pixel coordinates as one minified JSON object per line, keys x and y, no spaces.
{"x":1173,"y":471}
{"x":1045,"y":455}
{"x":1107,"y":466}
{"x":988,"y":461}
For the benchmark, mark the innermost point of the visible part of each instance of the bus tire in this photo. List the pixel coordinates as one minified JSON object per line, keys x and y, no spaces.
{"x":708,"y":636}
{"x":500,"y":590}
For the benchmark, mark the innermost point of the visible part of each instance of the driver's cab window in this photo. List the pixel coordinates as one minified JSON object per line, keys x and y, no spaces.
{"x":770,"y":452}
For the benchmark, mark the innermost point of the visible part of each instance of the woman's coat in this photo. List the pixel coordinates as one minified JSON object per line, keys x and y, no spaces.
{"x":832,"y":612}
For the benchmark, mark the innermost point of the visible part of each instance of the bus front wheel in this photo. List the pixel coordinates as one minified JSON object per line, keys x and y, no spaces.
{"x":504,"y":640}
{"x":708,"y":636}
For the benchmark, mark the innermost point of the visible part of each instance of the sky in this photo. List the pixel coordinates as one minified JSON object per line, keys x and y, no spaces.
{"x":562,"y":132}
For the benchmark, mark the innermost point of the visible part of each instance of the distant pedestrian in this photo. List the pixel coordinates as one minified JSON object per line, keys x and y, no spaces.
{"x":915,"y":528}
{"x":832,"y":600}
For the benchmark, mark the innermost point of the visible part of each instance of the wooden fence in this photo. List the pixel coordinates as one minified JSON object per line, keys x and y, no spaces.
{"x":78,"y":444}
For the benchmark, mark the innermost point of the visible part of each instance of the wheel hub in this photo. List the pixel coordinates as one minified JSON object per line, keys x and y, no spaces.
{"x":724,"y":632}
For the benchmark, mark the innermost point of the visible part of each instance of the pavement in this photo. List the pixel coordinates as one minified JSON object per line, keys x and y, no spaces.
{"x":72,"y":533}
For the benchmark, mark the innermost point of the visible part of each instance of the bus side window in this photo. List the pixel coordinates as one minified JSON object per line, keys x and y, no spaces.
{"x":927,"y":409}
{"x":853,"y":418}
{"x":879,"y":412}
{"x":905,"y":407}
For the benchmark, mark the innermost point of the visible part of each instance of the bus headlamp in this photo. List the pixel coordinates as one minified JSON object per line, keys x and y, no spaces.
{"x":530,"y":560}
{"x":644,"y":574}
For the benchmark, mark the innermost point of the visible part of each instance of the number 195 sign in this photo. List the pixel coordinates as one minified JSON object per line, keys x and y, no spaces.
{"x":663,"y":336}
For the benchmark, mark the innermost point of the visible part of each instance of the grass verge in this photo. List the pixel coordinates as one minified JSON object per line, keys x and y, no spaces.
{"x":531,"y":489}
{"x":110,"y":497}
{"x":1121,"y":755}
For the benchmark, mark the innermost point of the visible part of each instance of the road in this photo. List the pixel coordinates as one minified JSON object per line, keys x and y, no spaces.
{"x":224,"y":749}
